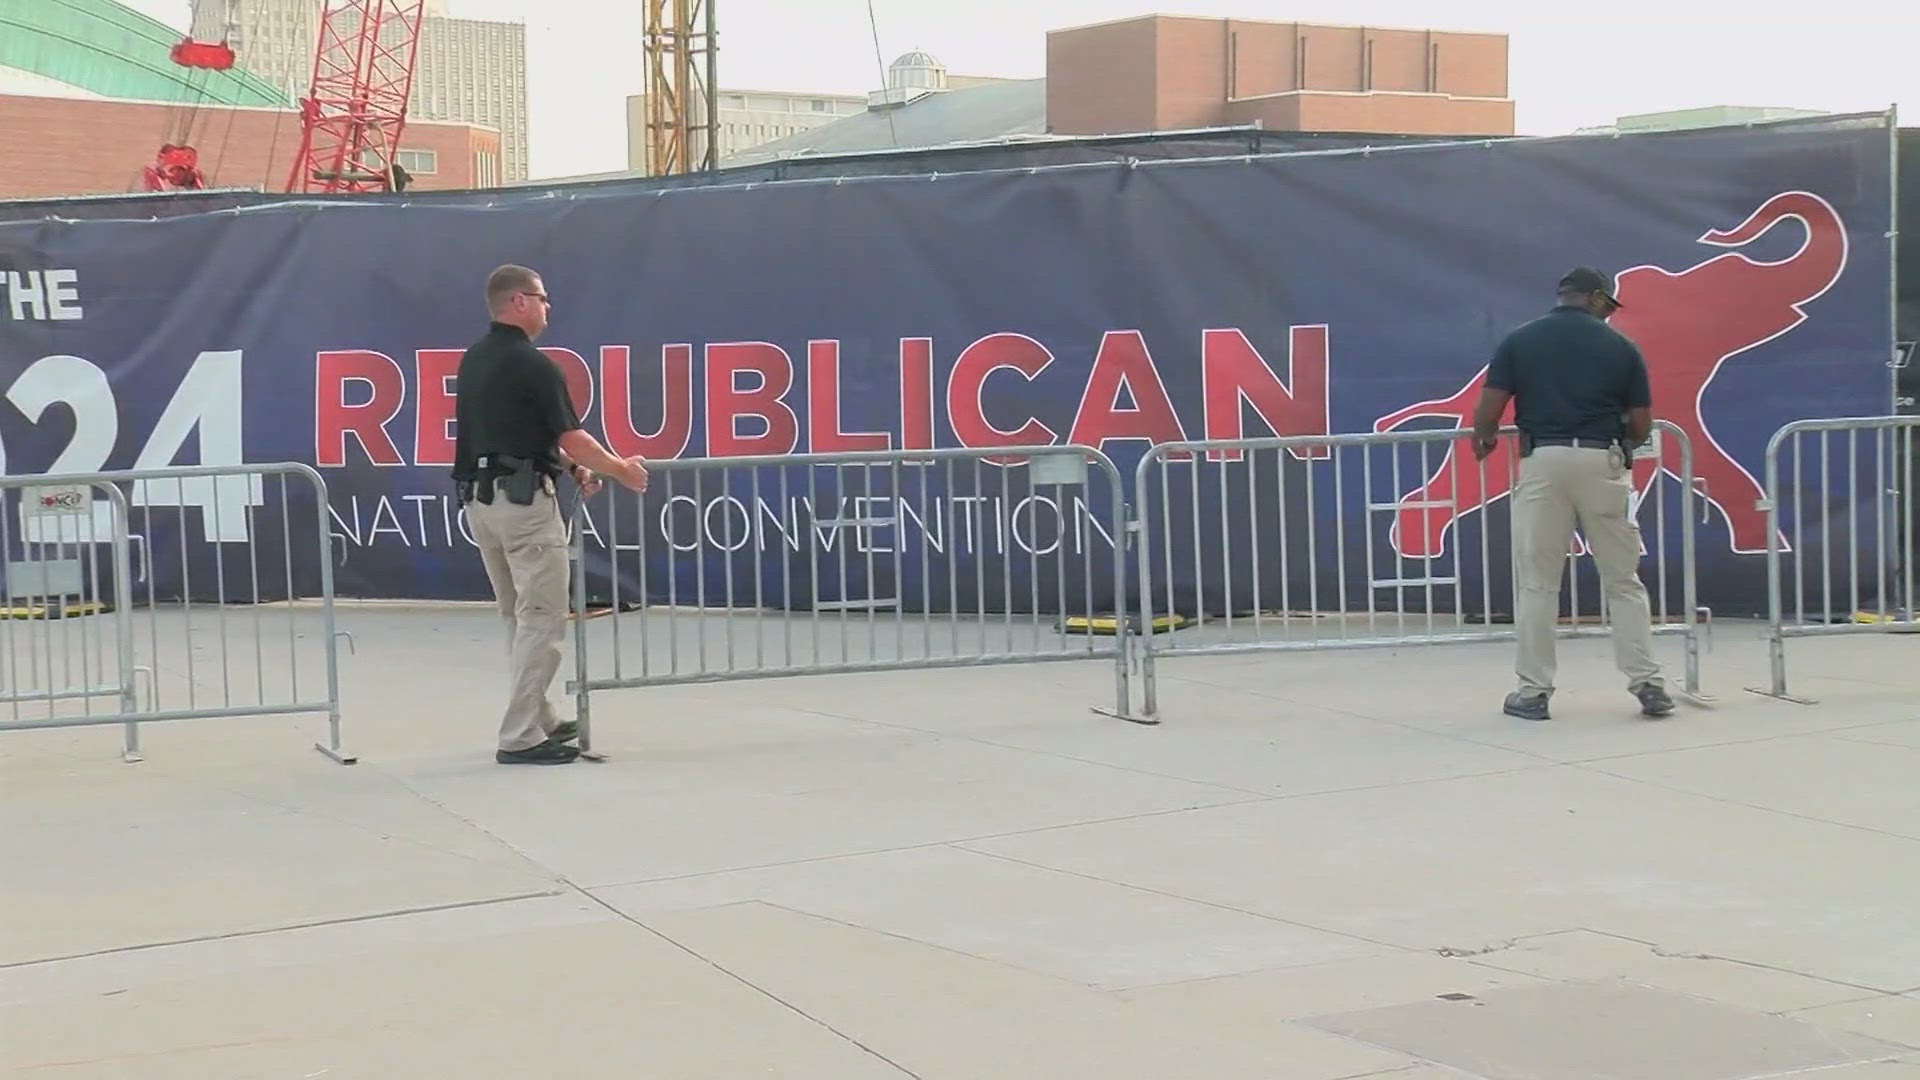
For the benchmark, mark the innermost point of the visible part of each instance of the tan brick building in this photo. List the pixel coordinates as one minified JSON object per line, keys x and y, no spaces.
{"x":53,"y":146}
{"x":1164,"y":72}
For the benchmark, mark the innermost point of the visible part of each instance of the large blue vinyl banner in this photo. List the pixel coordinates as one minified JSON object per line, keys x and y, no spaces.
{"x":1101,"y":304}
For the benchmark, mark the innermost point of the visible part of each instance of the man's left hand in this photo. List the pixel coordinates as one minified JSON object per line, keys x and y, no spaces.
{"x":589,"y":483}
{"x":1483,"y":446}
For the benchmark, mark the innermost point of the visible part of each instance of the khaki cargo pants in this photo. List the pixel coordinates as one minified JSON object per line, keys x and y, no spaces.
{"x":1558,"y":486}
{"x":525,"y":551}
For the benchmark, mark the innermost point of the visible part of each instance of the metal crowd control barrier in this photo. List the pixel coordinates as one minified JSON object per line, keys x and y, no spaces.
{"x":806,"y":564}
{"x":1371,"y":540}
{"x":1836,"y":547}
{"x":170,"y":584}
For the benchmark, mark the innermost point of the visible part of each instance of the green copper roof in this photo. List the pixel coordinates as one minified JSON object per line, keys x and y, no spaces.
{"x":113,"y":51}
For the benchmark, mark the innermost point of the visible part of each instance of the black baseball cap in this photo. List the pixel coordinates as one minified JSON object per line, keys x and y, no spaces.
{"x":1588,"y":280}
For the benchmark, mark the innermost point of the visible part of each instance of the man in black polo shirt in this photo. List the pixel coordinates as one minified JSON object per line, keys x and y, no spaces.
{"x":1581,"y":402}
{"x":514,"y":432}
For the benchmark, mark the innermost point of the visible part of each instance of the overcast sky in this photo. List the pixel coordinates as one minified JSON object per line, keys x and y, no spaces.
{"x":1573,"y":64}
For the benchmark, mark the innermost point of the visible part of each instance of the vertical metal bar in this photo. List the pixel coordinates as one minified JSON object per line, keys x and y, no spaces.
{"x":286,"y":545}
{"x":1199,"y":562}
{"x":1252,"y":458}
{"x":980,"y":566}
{"x":1426,"y":529}
{"x":1226,"y":537}
{"x":1486,"y":545}
{"x":673,"y":576}
{"x":1340,"y":539}
{"x":1366,"y":502}
{"x":896,"y":510}
{"x":727,"y":557}
{"x":700,"y":605}
{"x":123,"y":622}
{"x":1459,"y":537}
{"x":1067,"y":529}
{"x":1906,"y":522}
{"x":1117,"y":527}
{"x":758,"y":553}
{"x":329,"y":631}
{"x":786,"y":566}
{"x":926,"y":559}
{"x":1005,"y":545}
{"x":1657,"y":490}
{"x":1313,"y":550}
{"x":847,"y":538}
{"x":1143,"y":536}
{"x":1399,"y":590}
{"x":1776,"y":640}
{"x":640,"y":532}
{"x":14,"y":689}
{"x":1086,"y":568}
{"x":1883,"y":551}
{"x":1166,"y":531}
{"x":1799,"y":536}
{"x":868,"y":524}
{"x":582,"y":696}
{"x":1033,"y":560}
{"x":253,"y":569}
{"x":953,"y":559}
{"x":220,"y":589}
{"x":186,"y":589}
{"x":813,"y":555}
{"x":613,"y":572}
{"x":1853,"y":522}
{"x":1285,"y":540}
{"x":1689,"y":548}
{"x":1826,"y":526}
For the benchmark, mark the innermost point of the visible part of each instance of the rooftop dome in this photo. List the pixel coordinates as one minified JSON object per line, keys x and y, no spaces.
{"x":917,"y":71}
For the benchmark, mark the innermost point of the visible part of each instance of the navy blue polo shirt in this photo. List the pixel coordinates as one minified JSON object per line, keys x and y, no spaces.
{"x":1571,"y":376}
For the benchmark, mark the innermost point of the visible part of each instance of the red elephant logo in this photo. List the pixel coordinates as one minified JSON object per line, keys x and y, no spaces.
{"x":1687,"y":324}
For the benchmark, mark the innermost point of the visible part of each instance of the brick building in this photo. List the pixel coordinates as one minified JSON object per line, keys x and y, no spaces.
{"x":93,"y":146}
{"x":1164,"y":72}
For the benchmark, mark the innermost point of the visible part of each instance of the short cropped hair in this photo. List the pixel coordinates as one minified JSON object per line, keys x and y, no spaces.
{"x":505,"y":281}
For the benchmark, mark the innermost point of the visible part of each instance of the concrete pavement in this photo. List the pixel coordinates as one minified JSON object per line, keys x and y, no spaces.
{"x":1321,"y":866}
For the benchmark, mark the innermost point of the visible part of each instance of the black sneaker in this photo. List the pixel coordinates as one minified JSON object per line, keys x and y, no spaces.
{"x":565,"y":731}
{"x":546,"y":753}
{"x":1525,"y":707}
{"x":1654,"y":700}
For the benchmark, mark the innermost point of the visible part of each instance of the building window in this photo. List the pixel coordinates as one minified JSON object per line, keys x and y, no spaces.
{"x":819,"y":105}
{"x":418,"y":162}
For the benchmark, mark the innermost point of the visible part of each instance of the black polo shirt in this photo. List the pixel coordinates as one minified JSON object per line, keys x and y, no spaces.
{"x":1571,"y":376}
{"x":509,"y":399}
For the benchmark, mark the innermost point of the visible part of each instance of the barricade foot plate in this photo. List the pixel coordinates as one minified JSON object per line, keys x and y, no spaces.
{"x":132,"y":757}
{"x":341,"y":756}
{"x":1781,"y":697}
{"x":1143,"y":721}
{"x":1697,"y":699}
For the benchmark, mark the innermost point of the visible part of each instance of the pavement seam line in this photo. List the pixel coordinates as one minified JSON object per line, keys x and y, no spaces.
{"x":346,"y":920}
{"x":741,"y":979}
{"x":1868,"y":829}
{"x":588,"y":895}
{"x":1187,"y":899}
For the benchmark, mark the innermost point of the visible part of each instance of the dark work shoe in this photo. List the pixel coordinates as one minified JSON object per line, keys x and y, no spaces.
{"x":565,"y":731}
{"x":1654,"y":700}
{"x":546,"y":753}
{"x":1526,"y":708}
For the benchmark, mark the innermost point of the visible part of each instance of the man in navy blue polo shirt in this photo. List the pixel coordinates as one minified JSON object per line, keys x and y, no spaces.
{"x":1581,"y":402}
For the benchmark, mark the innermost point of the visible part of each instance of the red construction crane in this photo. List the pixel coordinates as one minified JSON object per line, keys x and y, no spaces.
{"x":356,"y":106}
